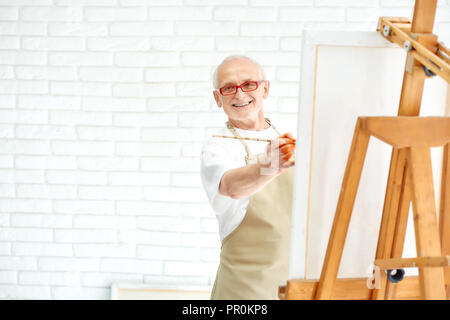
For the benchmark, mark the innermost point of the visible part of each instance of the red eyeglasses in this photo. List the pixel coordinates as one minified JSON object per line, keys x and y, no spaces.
{"x":247,"y":86}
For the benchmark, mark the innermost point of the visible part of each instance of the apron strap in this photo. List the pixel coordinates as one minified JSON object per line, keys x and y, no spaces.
{"x":236,"y":134}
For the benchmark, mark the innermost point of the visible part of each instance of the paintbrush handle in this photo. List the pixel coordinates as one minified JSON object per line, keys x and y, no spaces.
{"x":242,"y":138}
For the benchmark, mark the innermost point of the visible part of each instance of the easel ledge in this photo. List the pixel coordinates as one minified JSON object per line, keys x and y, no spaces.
{"x":347,"y":289}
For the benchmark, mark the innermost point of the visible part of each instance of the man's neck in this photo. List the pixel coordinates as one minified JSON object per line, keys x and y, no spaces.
{"x":256,"y":125}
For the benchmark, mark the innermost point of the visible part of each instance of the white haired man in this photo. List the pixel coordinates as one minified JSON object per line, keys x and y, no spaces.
{"x":249,"y":185}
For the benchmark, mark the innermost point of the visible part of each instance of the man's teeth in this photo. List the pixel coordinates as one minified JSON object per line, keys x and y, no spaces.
{"x":241,"y":105}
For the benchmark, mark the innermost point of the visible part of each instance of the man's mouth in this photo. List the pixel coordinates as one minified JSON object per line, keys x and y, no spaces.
{"x":237,"y":105}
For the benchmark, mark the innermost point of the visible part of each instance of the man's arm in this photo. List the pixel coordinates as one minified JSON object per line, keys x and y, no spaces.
{"x":243,"y":182}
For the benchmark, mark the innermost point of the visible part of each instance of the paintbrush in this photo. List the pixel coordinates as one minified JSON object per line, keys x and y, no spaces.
{"x":245,"y":138}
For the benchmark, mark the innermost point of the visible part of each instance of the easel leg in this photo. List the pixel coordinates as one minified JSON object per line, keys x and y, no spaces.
{"x":400,"y":227}
{"x":444,"y":215}
{"x":425,"y":222}
{"x":389,"y":217}
{"x":344,"y":210}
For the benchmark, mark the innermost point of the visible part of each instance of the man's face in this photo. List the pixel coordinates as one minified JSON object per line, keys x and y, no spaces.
{"x":241,"y":106}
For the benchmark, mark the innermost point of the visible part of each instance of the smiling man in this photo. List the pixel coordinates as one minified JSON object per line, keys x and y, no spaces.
{"x":249,"y":186}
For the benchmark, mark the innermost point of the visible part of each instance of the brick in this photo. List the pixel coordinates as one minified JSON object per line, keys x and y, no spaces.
{"x":168,"y":253}
{"x":56,"y":43}
{"x":110,"y":74}
{"x":149,"y":237}
{"x":86,"y":3}
{"x":172,"y":224}
{"x":213,"y":119}
{"x":7,"y":101}
{"x":352,"y":3}
{"x":206,"y":28}
{"x":8,"y":277}
{"x":210,"y":254}
{"x":148,"y":149}
{"x":139,"y":178}
{"x":28,"y":249}
{"x":114,"y":14}
{"x":186,"y":180}
{"x":6,"y":131}
{"x":82,"y":148}
{"x":45,"y":162}
{"x":184,"y":43}
{"x":6,"y":72}
{"x":24,"y":147}
{"x":6,"y":161}
{"x":18,"y":263}
{"x":103,"y":222}
{"x":26,"y":205}
{"x":104,"y":250}
{"x":147,"y":208}
{"x":131,"y":266}
{"x":108,"y":163}
{"x":81,"y":88}
{"x":312,"y":14}
{"x":80,"y":293}
{"x":72,"y":118}
{"x":85,"y":236}
{"x":144,"y":59}
{"x":83,"y":207}
{"x":209,"y":225}
{"x":109,"y":133}
{"x":9,"y":43}
{"x":105,"y":279}
{"x":247,"y":43}
{"x":40,"y":221}
{"x":249,"y":14}
{"x":51,"y":14}
{"x":113,"y":104}
{"x":151,"y":28}
{"x":45,"y":132}
{"x":208,"y":240}
{"x":173,"y":164}
{"x":80,"y":59}
{"x":180,"y":13}
{"x":146,"y":120}
{"x":83,"y":29}
{"x":118,"y":44}
{"x":48,"y":102}
{"x":171,"y":74}
{"x":76,"y":177}
{"x":49,"y":278}
{"x":265,"y":29}
{"x":21,"y":176}
{"x":26,"y":234}
{"x":9,"y":14}
{"x":5,"y":249}
{"x":68,"y":264}
{"x":46,"y":73}
{"x":172,"y":194}
{"x":176,"y":104}
{"x":190,"y":268}
{"x":173,"y":134}
{"x":143,"y":90}
{"x":19,"y":87}
{"x":25,"y":292}
{"x":109,"y":193}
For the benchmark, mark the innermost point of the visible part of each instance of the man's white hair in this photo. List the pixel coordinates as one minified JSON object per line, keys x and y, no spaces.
{"x":236,"y":57}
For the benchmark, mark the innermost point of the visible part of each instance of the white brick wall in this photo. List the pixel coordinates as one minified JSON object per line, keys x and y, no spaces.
{"x":104,"y":105}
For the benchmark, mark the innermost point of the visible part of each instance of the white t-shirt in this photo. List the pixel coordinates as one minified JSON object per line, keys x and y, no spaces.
{"x":220,"y":155}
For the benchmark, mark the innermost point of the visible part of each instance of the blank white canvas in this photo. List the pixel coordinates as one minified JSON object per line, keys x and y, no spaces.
{"x":346,"y":75}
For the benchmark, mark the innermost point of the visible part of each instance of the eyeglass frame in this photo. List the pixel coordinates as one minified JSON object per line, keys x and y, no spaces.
{"x":240,"y":87}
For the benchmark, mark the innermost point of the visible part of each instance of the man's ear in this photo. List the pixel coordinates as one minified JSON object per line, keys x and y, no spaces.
{"x":266,"y":89}
{"x":217,"y":98}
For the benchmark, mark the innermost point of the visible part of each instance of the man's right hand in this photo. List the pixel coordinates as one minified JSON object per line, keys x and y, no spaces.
{"x":280,"y":153}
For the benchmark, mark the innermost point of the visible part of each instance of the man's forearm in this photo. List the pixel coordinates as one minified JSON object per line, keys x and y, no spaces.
{"x":245,"y":181}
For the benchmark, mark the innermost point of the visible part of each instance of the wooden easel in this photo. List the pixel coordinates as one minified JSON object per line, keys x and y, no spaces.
{"x":410,"y":180}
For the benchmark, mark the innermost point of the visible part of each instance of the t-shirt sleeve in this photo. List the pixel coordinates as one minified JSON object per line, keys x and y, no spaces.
{"x":216,"y":159}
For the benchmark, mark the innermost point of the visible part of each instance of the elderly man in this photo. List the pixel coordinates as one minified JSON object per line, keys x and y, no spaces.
{"x":249,"y":185}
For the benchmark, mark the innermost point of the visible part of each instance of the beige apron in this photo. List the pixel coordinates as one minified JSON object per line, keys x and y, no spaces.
{"x":254,"y":258}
